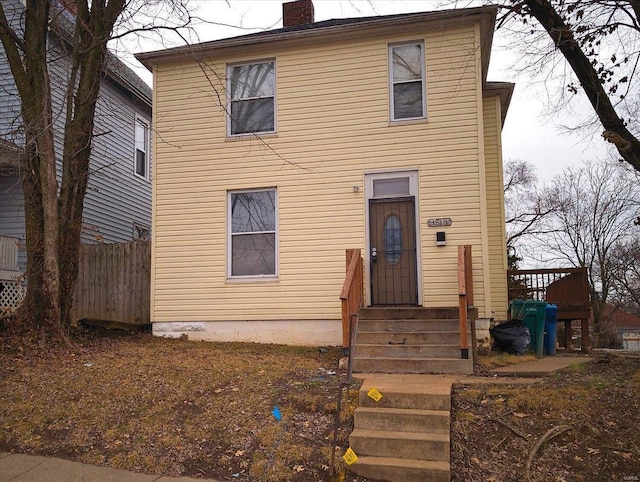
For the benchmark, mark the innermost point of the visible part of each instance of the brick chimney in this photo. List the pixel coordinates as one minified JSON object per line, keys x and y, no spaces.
{"x":299,"y":12}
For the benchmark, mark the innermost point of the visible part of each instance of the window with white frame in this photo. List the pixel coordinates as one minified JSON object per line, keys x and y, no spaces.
{"x":141,"y":161}
{"x":407,"y":81}
{"x":252,"y":98}
{"x":252,"y":229}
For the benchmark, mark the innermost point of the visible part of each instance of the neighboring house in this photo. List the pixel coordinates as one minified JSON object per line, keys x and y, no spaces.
{"x":624,"y":326}
{"x":280,"y":150}
{"x":118,"y":202}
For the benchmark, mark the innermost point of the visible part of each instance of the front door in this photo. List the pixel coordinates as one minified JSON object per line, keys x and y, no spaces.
{"x":393,"y":251}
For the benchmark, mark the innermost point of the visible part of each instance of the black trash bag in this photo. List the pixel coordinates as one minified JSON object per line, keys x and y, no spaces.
{"x":511,"y":336}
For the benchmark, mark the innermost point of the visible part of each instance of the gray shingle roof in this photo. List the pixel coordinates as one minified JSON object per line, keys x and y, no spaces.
{"x":328,"y":27}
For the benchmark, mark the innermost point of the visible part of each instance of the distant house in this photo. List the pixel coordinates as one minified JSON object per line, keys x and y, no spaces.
{"x":624,"y":326}
{"x":280,"y":150}
{"x":118,"y":201}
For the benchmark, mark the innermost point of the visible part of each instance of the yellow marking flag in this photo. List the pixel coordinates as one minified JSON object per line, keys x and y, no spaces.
{"x":350,"y":456}
{"x":375,"y":394}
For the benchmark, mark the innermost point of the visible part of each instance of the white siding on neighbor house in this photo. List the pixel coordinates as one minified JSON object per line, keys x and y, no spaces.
{"x":12,"y":213}
{"x":333,"y":127}
{"x":9,"y":102}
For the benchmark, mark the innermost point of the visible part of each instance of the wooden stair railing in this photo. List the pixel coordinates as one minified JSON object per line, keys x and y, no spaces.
{"x":351,"y":295}
{"x":465,"y":296}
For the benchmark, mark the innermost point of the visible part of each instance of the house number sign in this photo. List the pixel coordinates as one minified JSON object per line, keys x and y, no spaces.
{"x":439,"y":222}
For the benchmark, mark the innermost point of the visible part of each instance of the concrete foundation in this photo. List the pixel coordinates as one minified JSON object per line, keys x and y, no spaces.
{"x":283,"y":332}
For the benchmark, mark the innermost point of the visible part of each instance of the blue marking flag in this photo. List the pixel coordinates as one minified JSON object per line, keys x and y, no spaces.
{"x":276,"y":413}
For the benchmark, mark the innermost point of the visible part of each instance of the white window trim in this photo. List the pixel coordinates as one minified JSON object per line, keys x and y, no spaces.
{"x":228,"y":67}
{"x":260,"y":277}
{"x":414,"y":190}
{"x":391,"y":84}
{"x":147,"y":124}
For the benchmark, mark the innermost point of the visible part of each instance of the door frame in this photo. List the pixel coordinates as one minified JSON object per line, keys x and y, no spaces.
{"x":369,"y":177}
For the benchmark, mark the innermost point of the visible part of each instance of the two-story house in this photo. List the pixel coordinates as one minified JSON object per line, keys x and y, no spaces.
{"x":117,"y":206}
{"x":279,"y":150}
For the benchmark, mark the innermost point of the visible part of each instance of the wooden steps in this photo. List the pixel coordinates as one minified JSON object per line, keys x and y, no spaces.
{"x":409,"y":340}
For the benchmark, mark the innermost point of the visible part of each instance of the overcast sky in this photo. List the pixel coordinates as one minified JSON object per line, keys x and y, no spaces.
{"x":530,"y":133}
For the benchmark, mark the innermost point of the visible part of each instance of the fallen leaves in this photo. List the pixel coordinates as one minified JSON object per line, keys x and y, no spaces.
{"x":497,"y":428}
{"x":173,"y":407}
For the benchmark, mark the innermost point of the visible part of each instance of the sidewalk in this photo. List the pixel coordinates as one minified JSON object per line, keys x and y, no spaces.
{"x":541,"y":367}
{"x":33,"y":468}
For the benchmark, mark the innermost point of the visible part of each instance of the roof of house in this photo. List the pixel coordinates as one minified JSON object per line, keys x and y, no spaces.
{"x":317,"y":31}
{"x":505,"y":91}
{"x":620,"y":318}
{"x":63,"y":25}
{"x":128,"y":79}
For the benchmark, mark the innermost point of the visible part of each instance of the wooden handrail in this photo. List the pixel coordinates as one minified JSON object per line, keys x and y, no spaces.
{"x":352,"y":265}
{"x":465,"y":295}
{"x":351,"y":295}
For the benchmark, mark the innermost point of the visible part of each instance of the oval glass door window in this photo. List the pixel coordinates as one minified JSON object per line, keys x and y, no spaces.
{"x":392,"y":239}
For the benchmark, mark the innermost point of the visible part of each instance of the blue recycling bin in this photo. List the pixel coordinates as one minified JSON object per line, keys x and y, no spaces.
{"x":532,"y":314}
{"x":550,"y":329}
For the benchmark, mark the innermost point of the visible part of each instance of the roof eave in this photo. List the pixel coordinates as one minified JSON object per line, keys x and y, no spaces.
{"x":504,"y":90}
{"x":486,"y":16}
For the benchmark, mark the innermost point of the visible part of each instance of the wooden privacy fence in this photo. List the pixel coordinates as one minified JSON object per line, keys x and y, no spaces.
{"x":113,"y":285}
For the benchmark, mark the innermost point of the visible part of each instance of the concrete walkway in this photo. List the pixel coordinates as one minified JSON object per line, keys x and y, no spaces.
{"x":541,"y":367}
{"x":32,"y":468}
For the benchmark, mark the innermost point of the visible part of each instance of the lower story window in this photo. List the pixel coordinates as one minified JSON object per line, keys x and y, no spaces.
{"x":252,"y":220}
{"x":141,"y":233}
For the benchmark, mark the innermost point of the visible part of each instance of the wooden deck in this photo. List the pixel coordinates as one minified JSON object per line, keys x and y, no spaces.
{"x":567,"y":288}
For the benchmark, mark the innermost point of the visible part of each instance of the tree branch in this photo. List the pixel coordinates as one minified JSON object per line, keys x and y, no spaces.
{"x":563,"y":37}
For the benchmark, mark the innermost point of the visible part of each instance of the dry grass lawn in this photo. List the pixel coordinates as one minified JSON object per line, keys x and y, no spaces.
{"x":176,"y":407}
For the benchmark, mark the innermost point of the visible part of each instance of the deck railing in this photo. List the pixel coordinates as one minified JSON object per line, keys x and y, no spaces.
{"x":465,"y":296}
{"x":8,"y":253}
{"x":546,"y":285}
{"x":351,"y":295}
{"x":567,"y":288}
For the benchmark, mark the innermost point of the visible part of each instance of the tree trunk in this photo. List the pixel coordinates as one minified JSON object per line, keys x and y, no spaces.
{"x":615,"y":130}
{"x":54,"y":220}
{"x":40,"y":186}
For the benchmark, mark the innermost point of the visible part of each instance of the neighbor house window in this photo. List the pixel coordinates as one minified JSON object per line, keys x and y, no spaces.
{"x":252,"y":219}
{"x":407,"y":84}
{"x":252,"y":98}
{"x":141,"y":160}
{"x":141,"y":233}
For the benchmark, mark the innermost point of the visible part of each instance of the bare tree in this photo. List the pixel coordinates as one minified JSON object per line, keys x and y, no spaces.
{"x":626,"y":275}
{"x":595,"y":209}
{"x":600,"y":41}
{"x":32,"y":41}
{"x":525,"y":207}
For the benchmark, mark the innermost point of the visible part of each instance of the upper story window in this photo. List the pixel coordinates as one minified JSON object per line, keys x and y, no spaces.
{"x":141,"y":161}
{"x":252,"y":98}
{"x":407,"y":81}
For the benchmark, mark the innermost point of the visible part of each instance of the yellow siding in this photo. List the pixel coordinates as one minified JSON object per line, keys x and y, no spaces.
{"x":333,"y":127}
{"x":495,"y":207}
